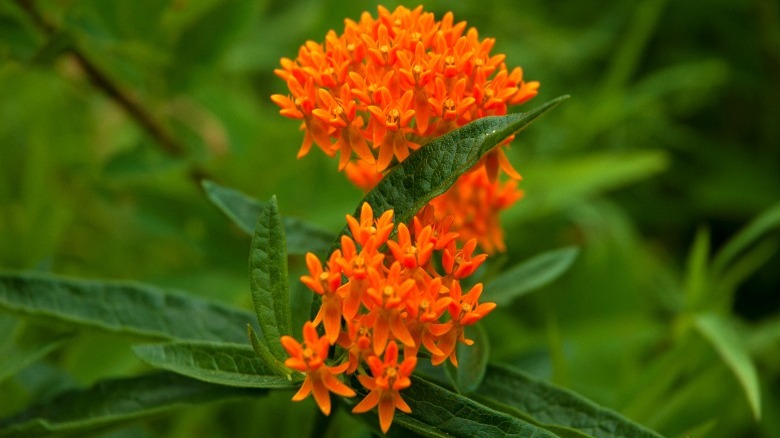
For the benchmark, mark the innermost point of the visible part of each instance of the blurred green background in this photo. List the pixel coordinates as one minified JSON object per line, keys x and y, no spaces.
{"x":673,"y":127}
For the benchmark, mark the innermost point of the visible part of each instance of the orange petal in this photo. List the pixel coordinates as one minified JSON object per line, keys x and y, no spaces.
{"x":304,"y":391}
{"x":386,"y":410}
{"x":321,"y":396}
{"x":335,"y":386}
{"x":401,"y":404}
{"x":367,"y":403}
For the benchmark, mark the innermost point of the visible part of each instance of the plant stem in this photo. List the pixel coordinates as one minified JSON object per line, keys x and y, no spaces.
{"x":101,"y":81}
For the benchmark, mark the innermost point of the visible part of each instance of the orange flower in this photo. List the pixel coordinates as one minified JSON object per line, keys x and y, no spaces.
{"x":388,"y":378}
{"x":389,"y":84}
{"x":310,"y":359}
{"x":396,"y":77}
{"x":411,"y":255}
{"x":326,"y":284}
{"x":368,"y":228}
{"x":388,"y":296}
{"x":464,"y":311}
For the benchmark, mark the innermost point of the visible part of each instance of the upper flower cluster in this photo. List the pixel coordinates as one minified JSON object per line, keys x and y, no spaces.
{"x":385,"y":86}
{"x":376,"y":301}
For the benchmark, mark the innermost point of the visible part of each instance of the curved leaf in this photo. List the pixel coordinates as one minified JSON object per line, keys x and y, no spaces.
{"x":472,"y":360}
{"x":549,"y":404}
{"x":127,"y":308}
{"x":244,"y":211}
{"x":530,"y":275}
{"x":268,"y":278}
{"x":115,"y":401}
{"x":432,"y":169}
{"x":734,"y":353}
{"x":26,"y":355}
{"x":767,"y":221}
{"x":225,"y":364}
{"x":443,"y":411}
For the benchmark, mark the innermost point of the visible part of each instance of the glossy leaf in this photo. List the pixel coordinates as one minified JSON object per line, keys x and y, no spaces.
{"x":224,"y":364}
{"x":126,"y":308}
{"x":268,"y":278}
{"x":732,"y":350}
{"x":115,"y":401}
{"x":439,"y":412}
{"x":432,"y":169}
{"x":530,"y":275}
{"x":244,"y":211}
{"x":549,"y":404}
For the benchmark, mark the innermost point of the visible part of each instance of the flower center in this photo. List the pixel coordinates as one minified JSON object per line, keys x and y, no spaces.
{"x":393,"y":116}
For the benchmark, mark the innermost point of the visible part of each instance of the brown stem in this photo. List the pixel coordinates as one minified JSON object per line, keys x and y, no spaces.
{"x":102,"y":82}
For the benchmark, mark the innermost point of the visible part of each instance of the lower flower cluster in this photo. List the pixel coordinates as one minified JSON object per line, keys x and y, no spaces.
{"x":383,"y":297}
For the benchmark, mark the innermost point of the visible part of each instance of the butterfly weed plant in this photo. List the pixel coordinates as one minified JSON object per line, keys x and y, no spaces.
{"x":415,"y":112}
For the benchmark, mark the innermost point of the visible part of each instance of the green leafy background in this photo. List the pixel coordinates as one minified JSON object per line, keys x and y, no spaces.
{"x":662,"y":169}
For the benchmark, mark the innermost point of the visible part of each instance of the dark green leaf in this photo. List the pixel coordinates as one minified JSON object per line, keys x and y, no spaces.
{"x":223,"y":364}
{"x":432,"y":169}
{"x":114,"y":401}
{"x":472,"y":360}
{"x":530,"y":275}
{"x":243,"y":210}
{"x":439,"y":412}
{"x":126,"y":308}
{"x":268,"y":278}
{"x":552,"y":405}
{"x":732,"y":350}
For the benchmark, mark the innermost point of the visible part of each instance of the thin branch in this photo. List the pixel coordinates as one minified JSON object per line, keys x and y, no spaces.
{"x":102,"y":82}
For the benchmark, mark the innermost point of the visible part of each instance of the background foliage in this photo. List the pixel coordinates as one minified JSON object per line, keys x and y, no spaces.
{"x":668,"y":147}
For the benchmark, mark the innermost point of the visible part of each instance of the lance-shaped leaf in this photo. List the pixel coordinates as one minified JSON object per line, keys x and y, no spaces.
{"x":472,"y":361}
{"x":513,"y":391}
{"x":244,"y":211}
{"x":126,"y":308}
{"x":19,"y":357}
{"x":760,"y":226}
{"x":432,"y":169}
{"x":111,"y":402}
{"x":225,"y":364}
{"x":734,"y":353}
{"x":439,"y":412}
{"x":530,"y":275}
{"x":268,"y":278}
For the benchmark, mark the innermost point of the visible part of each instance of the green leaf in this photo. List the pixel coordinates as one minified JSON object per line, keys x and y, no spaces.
{"x":439,"y":412}
{"x":764,"y":223}
{"x":110,"y":402}
{"x":472,"y":360}
{"x":554,"y":186}
{"x":432,"y":169}
{"x":224,"y":364}
{"x":551,"y":405}
{"x":530,"y":275}
{"x":126,"y":308}
{"x":696,"y":275}
{"x":727,"y":342}
{"x":17,"y":358}
{"x":243,"y":210}
{"x":268,"y":278}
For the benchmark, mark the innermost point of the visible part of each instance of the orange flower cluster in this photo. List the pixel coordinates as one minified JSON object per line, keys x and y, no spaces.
{"x":385,"y":86}
{"x":376,"y":302}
